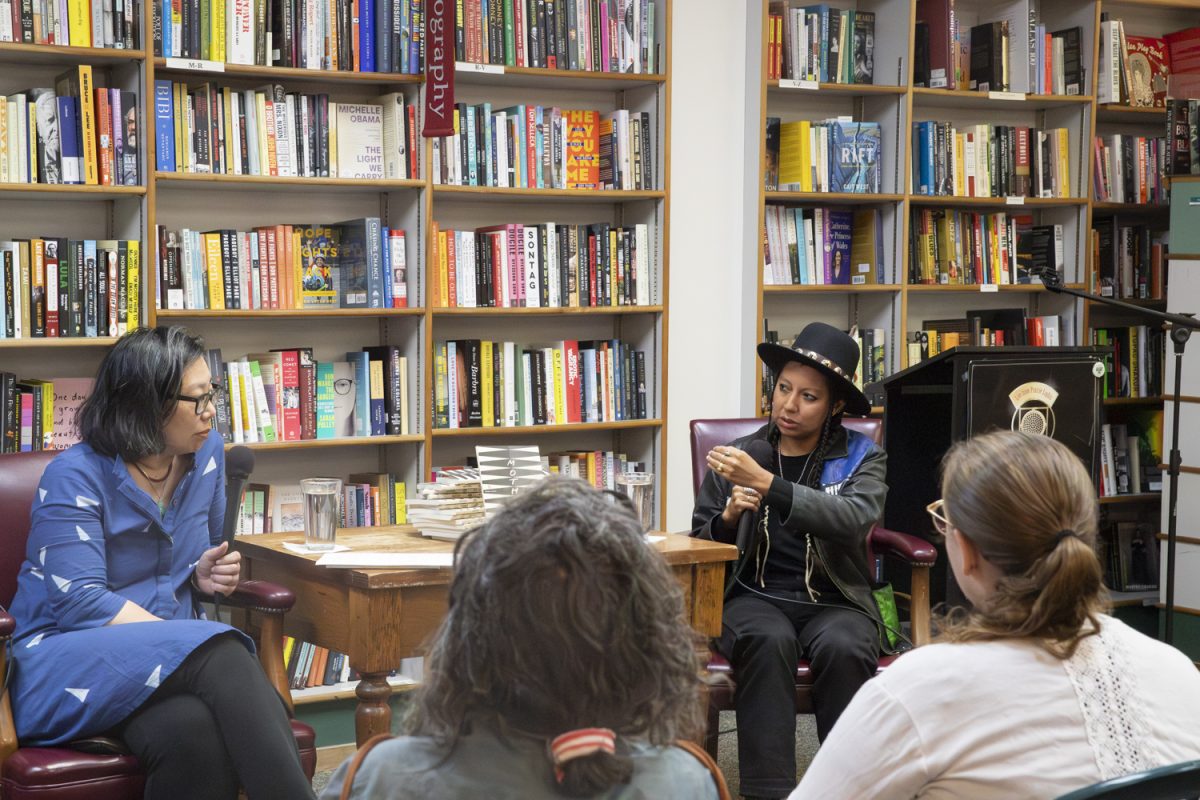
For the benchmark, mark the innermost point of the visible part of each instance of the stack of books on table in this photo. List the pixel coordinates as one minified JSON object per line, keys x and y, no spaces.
{"x":448,"y":507}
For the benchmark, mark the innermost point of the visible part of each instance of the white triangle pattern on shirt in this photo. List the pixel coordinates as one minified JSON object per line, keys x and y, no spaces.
{"x":35,"y":641}
{"x":41,"y":494}
{"x":84,"y":502}
{"x":80,"y":694}
{"x":83,"y":537}
{"x":42,"y":556}
{"x":62,"y":583}
{"x":212,"y":464}
{"x":154,"y":678}
{"x":37,"y":573}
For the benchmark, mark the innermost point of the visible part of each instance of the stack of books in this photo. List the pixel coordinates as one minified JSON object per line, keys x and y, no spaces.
{"x":448,"y":507}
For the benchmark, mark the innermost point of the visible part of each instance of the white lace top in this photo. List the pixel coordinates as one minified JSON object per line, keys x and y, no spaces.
{"x":997,"y":720}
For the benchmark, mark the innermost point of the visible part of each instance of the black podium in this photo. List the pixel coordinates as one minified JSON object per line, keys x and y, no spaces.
{"x":1056,"y":391}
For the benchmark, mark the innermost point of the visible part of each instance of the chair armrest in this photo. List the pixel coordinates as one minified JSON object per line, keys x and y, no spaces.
{"x":904,"y":546}
{"x":8,"y":730}
{"x":263,"y":596}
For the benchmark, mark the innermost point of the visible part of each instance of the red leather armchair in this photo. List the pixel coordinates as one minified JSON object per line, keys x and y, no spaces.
{"x":917,"y":553}
{"x":63,"y":773}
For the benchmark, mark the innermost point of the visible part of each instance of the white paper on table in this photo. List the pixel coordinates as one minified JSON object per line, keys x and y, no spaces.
{"x":651,"y":539}
{"x":305,"y":550}
{"x":377,"y":560}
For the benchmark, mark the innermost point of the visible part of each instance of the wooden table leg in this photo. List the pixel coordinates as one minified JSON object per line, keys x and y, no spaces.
{"x":373,"y":715}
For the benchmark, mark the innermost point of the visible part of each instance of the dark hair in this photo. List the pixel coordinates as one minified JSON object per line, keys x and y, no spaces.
{"x":815,"y":465}
{"x":1029,"y":505}
{"x":136,"y":391}
{"x":561,"y":617}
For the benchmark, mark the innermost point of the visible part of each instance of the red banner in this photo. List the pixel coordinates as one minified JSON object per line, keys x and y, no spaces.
{"x":439,"y":68}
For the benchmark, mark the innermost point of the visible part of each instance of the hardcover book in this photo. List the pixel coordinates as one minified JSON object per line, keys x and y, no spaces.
{"x":854,"y":161}
{"x":360,"y":141}
{"x":319,"y":251}
{"x":864,"y":46}
{"x":1148,"y":71}
{"x":582,"y":145}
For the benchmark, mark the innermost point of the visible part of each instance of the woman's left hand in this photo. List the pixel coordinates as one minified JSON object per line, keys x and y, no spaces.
{"x":218,"y":570}
{"x":737,"y":467}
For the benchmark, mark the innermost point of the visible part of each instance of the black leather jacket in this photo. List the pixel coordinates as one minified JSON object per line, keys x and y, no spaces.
{"x":838,"y":521}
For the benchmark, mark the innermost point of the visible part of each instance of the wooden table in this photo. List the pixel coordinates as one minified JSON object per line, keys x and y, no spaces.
{"x":379,"y":616}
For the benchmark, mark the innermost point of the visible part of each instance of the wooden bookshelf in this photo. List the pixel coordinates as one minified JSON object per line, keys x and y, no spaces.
{"x":20,"y":53}
{"x":217,"y":71}
{"x":415,"y":205}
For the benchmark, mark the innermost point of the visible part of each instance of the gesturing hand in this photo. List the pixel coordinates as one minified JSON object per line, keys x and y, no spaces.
{"x":737,"y":467}
{"x":218,"y":570}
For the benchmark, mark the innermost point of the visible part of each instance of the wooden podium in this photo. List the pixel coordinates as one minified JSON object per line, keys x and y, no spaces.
{"x":965,"y":391}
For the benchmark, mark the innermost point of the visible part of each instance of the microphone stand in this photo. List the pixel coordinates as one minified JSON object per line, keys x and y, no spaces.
{"x":1181,"y":329}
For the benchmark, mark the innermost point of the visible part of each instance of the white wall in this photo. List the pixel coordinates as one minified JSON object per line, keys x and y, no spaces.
{"x":712,"y":292}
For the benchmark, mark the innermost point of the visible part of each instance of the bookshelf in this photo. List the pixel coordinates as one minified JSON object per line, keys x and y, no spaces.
{"x":239,"y":201}
{"x":70,"y":211}
{"x":895,"y":304}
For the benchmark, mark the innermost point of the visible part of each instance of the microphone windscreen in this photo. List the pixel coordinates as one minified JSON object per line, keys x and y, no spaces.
{"x":762,"y":453}
{"x":239,"y":462}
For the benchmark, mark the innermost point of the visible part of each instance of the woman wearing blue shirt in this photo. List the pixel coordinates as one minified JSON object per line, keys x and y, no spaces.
{"x":125,"y":532}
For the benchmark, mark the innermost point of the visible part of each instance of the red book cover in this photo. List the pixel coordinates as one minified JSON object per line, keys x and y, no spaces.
{"x":104,"y":148}
{"x":308,"y":401}
{"x":1023,"y":185}
{"x":936,"y":14}
{"x":1184,"y":49}
{"x":289,"y":396}
{"x":411,"y":111}
{"x":574,"y":393}
{"x":1148,"y":71}
{"x":497,"y":270}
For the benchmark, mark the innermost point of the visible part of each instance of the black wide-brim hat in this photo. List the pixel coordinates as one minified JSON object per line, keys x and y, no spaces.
{"x":827,"y":349}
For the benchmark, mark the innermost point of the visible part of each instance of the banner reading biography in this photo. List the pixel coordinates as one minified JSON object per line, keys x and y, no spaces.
{"x":439,"y":68}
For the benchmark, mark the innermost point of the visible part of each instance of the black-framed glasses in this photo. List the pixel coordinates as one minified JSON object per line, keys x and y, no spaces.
{"x":213,"y":396}
{"x":343,"y":385}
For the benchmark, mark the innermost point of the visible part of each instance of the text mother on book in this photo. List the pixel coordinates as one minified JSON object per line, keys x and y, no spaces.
{"x":125,"y":530}
{"x":802,"y":585}
{"x":1035,"y":692}
{"x":564,"y":668}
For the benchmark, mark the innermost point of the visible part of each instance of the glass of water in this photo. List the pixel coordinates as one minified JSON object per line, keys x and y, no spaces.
{"x":639,"y":486}
{"x":322,"y":498}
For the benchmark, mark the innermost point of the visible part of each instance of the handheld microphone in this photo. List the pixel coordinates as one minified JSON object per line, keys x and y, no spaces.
{"x":762,"y":453}
{"x":239,"y":463}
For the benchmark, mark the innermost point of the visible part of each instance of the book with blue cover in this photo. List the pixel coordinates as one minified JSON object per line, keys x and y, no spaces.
{"x":854,"y":157}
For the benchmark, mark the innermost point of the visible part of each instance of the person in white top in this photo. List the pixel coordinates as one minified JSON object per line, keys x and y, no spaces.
{"x":1035,"y":692}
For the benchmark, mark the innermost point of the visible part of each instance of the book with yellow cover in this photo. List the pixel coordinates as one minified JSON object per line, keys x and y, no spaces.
{"x":133,"y":266}
{"x":212,"y":265}
{"x":487,"y":384}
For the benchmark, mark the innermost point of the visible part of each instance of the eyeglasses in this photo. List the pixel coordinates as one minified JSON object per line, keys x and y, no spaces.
{"x":343,"y":385}
{"x":213,"y":396}
{"x":940,"y":523}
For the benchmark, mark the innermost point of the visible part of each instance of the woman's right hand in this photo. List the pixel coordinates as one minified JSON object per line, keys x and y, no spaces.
{"x":743,"y":499}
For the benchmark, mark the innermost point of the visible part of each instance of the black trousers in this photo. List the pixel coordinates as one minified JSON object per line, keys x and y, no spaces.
{"x":214,"y":724}
{"x":763,"y":638}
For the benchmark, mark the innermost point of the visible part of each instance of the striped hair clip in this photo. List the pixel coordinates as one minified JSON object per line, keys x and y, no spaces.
{"x":580,"y":743}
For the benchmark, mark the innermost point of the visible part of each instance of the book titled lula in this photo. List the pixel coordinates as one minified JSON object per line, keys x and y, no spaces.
{"x":360,"y":141}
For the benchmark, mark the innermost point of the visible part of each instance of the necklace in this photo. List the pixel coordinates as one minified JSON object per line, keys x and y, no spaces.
{"x":142,"y":472}
{"x":157,"y":486}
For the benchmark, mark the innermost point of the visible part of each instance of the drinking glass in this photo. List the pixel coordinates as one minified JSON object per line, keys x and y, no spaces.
{"x":322,"y":497}
{"x":639,"y":486}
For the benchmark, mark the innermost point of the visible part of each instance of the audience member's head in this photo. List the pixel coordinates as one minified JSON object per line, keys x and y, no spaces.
{"x":1020,"y":519}
{"x":563,"y":619}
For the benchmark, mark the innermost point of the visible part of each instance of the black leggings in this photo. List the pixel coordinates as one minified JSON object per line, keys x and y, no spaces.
{"x":215,"y":723}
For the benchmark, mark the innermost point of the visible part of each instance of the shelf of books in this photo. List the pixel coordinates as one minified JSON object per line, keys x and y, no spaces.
{"x":923,"y":161}
{"x":374,"y":303}
{"x":72,"y":199}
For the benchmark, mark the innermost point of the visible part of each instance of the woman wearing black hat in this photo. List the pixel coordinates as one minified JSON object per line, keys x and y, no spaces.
{"x":802,"y":585}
